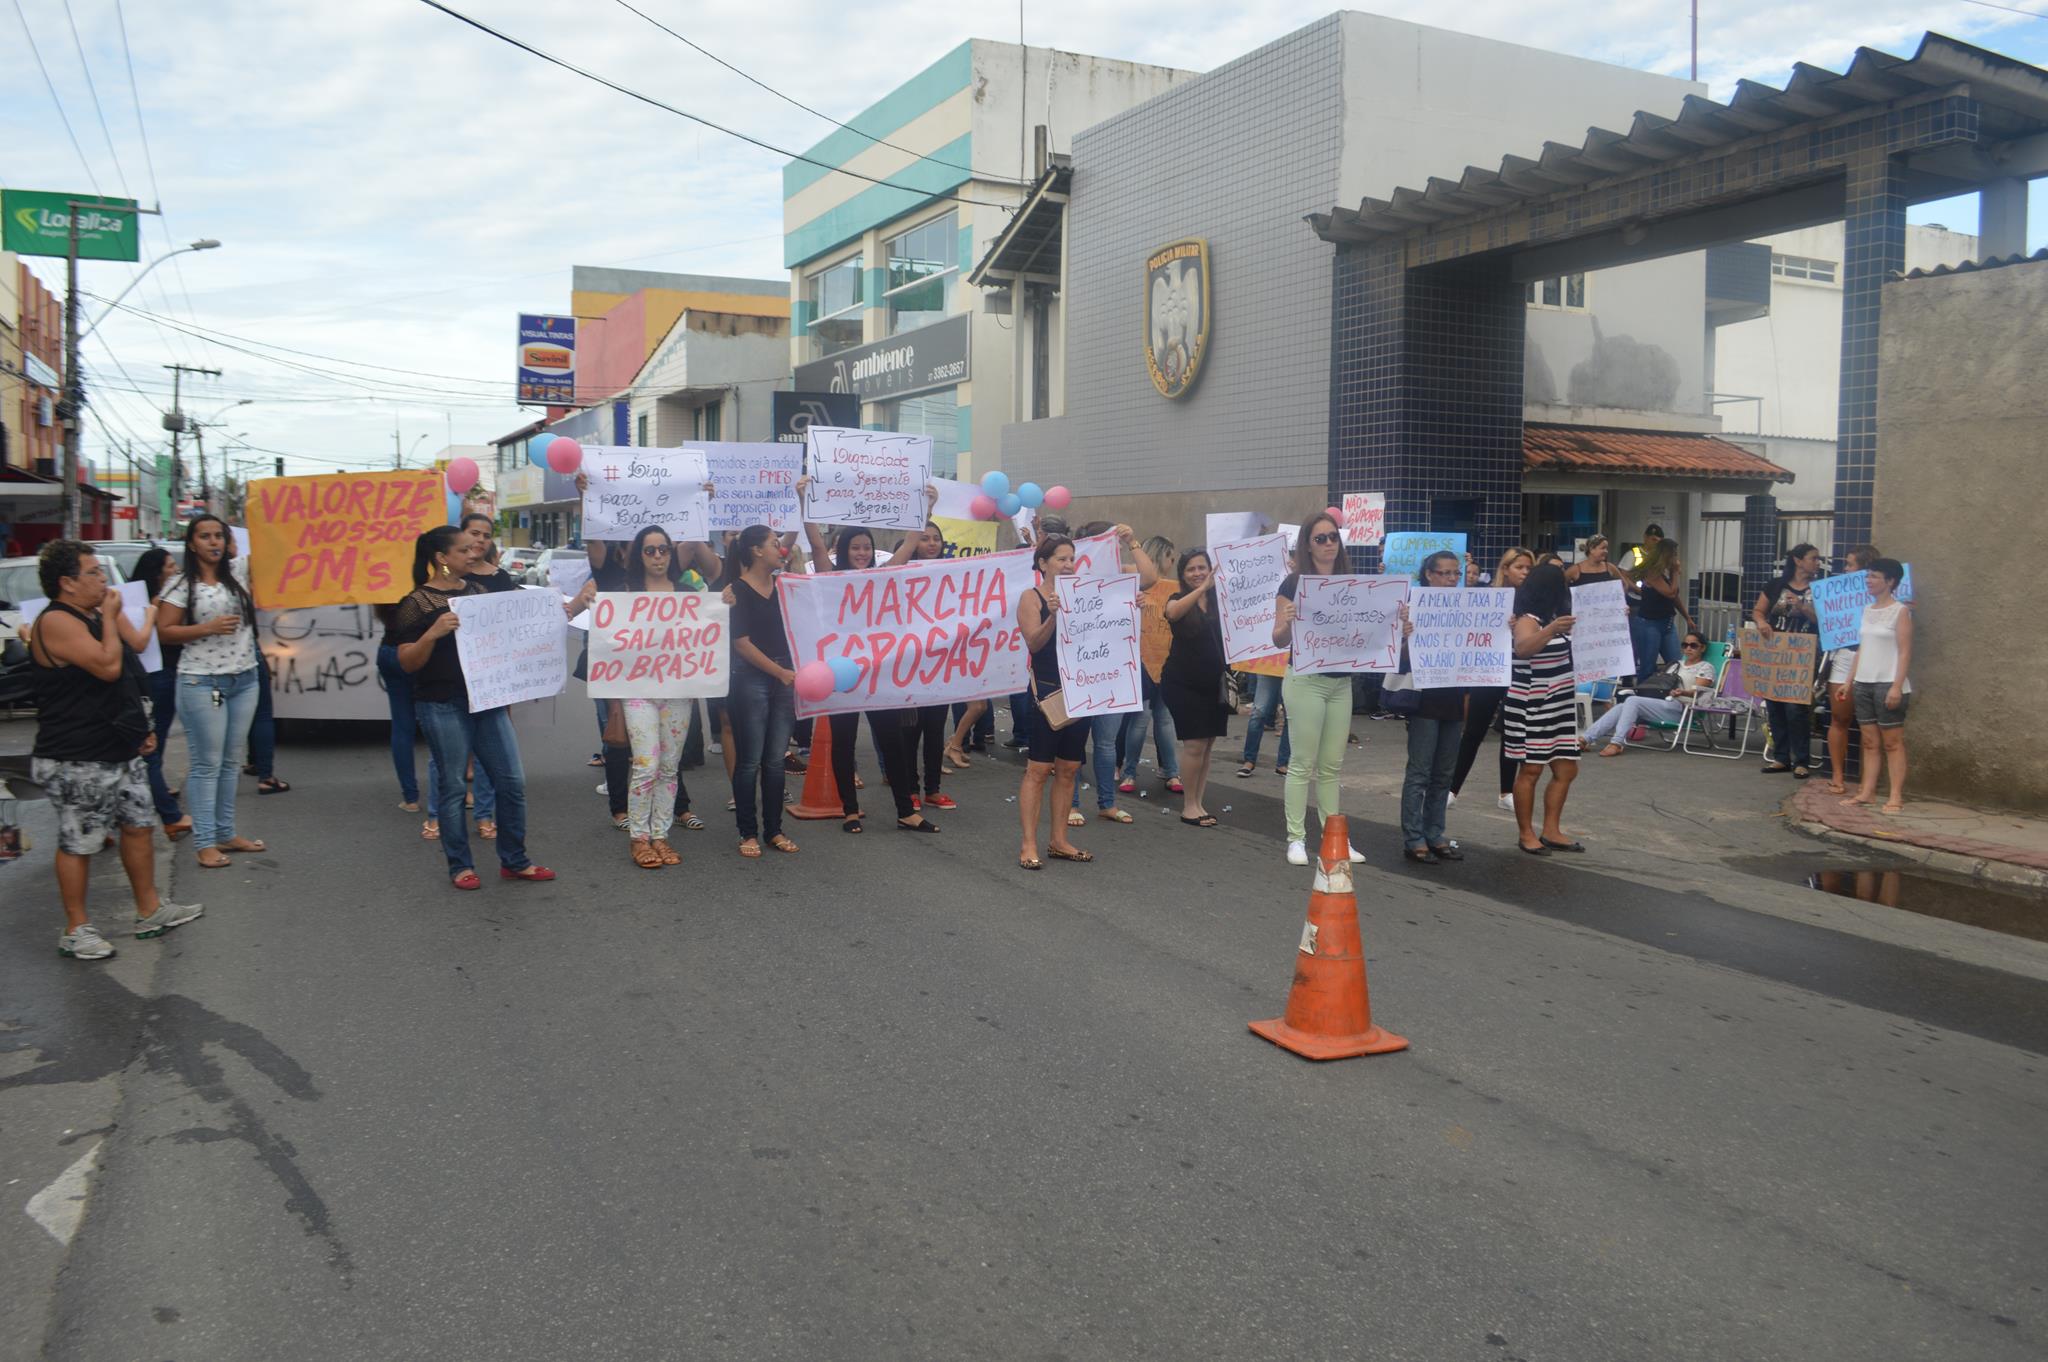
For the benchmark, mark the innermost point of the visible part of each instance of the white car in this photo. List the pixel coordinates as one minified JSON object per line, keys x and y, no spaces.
{"x":19,"y":582}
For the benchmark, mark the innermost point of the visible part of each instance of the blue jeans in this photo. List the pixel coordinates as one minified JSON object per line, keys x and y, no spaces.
{"x":1656,"y":643}
{"x":1426,"y":789}
{"x":404,"y":725}
{"x":1155,"y":716}
{"x":1102,"y":731}
{"x":216,"y":736}
{"x":1265,"y":702}
{"x":163,"y":700}
{"x":763,"y":713}
{"x":453,"y":736}
{"x":1791,"y":733}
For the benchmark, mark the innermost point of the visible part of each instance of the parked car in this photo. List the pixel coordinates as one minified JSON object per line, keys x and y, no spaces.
{"x":517,"y":560}
{"x":126,"y":553}
{"x":537,"y":575}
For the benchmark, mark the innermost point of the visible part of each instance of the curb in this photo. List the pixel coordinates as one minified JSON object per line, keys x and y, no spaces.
{"x":1984,"y":868}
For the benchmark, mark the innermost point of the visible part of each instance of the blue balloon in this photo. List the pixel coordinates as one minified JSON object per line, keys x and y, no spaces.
{"x":996,"y":483}
{"x":1031,"y":494}
{"x":1008,"y":503}
{"x":537,"y":449}
{"x":845,"y":673}
{"x":454,"y":508}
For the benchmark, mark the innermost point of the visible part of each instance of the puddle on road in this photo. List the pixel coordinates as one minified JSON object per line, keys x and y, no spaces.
{"x":1974,"y":904}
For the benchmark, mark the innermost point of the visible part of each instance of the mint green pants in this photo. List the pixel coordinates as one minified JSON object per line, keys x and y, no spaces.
{"x":1319,"y":717}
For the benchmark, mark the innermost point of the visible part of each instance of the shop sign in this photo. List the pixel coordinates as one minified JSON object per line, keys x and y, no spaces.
{"x":797,"y":412}
{"x":1176,"y":315}
{"x":930,"y":357}
{"x":37,"y":223}
{"x":547,"y":359}
{"x":38,"y":371}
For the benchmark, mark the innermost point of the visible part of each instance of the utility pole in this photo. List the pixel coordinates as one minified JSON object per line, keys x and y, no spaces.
{"x":175,"y":423}
{"x":74,"y":391}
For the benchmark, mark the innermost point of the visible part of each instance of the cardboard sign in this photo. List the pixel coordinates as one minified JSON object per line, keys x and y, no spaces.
{"x":1462,"y":636}
{"x":1780,"y":668}
{"x":866,"y":477}
{"x":567,"y":573}
{"x":630,"y":489}
{"x":1348,"y":624}
{"x":756,"y":484}
{"x":1097,"y":640}
{"x":511,"y":647}
{"x":1232,"y":527}
{"x":659,"y":645}
{"x":1401,"y":555}
{"x":338,"y":538}
{"x":323,"y":662}
{"x":924,"y":633}
{"x":1601,"y":645}
{"x":1365,"y":519}
{"x":136,"y":608}
{"x":1838,"y":604}
{"x":1248,"y":577}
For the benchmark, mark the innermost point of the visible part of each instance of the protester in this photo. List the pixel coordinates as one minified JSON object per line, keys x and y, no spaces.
{"x":1654,"y":627}
{"x":424,"y":627}
{"x":1594,"y":567}
{"x":655,"y":728}
{"x":1155,"y":641}
{"x":207,"y":612}
{"x":1266,"y":688}
{"x":1884,"y":662}
{"x":1695,"y":677}
{"x":398,"y":699}
{"x":1540,"y":720}
{"x":487,"y":575}
{"x":1785,"y":606}
{"x":156,"y":567}
{"x":1318,"y":704}
{"x":1436,"y":723}
{"x":1841,"y":697}
{"x":762,"y":702}
{"x":1105,"y":731}
{"x":1055,"y":753}
{"x":92,"y":729}
{"x":1481,"y":702}
{"x":262,"y":762}
{"x":928,"y":730}
{"x":1193,"y":679}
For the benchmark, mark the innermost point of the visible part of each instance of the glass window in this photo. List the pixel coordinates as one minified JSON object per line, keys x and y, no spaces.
{"x":1803,"y":267}
{"x":640,"y":431}
{"x":937,"y":415}
{"x":834,"y":294}
{"x":923,"y":263}
{"x":1551,"y":292}
{"x":1567,"y":291}
{"x":708,"y":421}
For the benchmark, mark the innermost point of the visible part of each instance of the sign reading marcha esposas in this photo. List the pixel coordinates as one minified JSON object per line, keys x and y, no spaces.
{"x":659,"y":645}
{"x":338,"y":538}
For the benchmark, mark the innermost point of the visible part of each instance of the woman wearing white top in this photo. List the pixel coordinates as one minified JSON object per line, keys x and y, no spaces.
{"x":1884,"y":658}
{"x":1841,"y":667}
{"x":1695,"y":676}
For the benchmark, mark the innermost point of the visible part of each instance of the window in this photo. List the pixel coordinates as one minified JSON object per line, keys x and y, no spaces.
{"x":834,"y":294}
{"x":923,"y":263}
{"x":640,"y":431}
{"x":1567,"y":291}
{"x":707,"y":421}
{"x":937,"y":415}
{"x":1803,"y":267}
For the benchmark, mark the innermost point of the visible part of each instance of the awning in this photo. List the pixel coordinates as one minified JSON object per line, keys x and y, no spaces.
{"x":1032,"y":243}
{"x":1642,"y":453}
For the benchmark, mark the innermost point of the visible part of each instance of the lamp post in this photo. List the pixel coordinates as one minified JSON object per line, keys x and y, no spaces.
{"x":203,"y":244}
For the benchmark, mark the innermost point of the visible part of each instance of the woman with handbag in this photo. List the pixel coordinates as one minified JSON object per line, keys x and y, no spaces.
{"x":1194,"y":680}
{"x":1318,"y":707}
{"x":1436,"y":723}
{"x":1539,"y":716}
{"x":1057,"y":742}
{"x":1481,"y":702}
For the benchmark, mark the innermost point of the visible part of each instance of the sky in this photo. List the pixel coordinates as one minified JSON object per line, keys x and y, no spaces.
{"x":392,"y":186}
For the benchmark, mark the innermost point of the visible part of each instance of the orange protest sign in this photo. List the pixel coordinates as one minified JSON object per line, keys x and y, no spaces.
{"x":1276,"y":665}
{"x":338,"y":538}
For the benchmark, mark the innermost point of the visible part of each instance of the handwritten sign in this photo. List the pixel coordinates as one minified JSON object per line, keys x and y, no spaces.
{"x":1838,"y":603}
{"x":136,"y":608}
{"x":630,"y":489}
{"x":1462,"y":636}
{"x":659,"y":645}
{"x":1365,"y":519}
{"x":1099,"y":555}
{"x":1230,"y":527}
{"x":927,"y":632}
{"x":1401,"y":555}
{"x":1096,"y":637}
{"x":956,"y":499}
{"x":567,"y":572}
{"x":1780,"y":669}
{"x":511,"y":647}
{"x":1348,"y":624}
{"x":323,"y":662}
{"x":1292,"y":534}
{"x":1248,"y":577}
{"x":1601,"y":646}
{"x":756,"y":484}
{"x":866,"y":477}
{"x":338,"y":538}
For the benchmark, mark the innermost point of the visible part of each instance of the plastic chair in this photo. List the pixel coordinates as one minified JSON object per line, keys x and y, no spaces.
{"x":1589,"y":694}
{"x":1731,"y":700}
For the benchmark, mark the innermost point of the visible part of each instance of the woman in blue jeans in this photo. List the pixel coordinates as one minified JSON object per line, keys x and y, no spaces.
{"x":206,"y":612}
{"x":1265,"y":704}
{"x":398,"y":695}
{"x":157,"y":567}
{"x":762,"y":703}
{"x":423,"y":628}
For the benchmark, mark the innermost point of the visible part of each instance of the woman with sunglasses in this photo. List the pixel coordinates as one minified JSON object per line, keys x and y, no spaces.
{"x":1695,"y":677}
{"x":1318,"y":705}
{"x":655,"y":729}
{"x":1482,"y":702}
{"x":1193,"y":679}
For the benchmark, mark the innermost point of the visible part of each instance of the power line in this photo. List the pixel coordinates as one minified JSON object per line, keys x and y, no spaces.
{"x":149,"y":163}
{"x":120,"y":175}
{"x":51,"y":86}
{"x":1986,"y":4}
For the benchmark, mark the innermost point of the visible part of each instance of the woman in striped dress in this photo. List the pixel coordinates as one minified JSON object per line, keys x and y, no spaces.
{"x":1539,"y":716}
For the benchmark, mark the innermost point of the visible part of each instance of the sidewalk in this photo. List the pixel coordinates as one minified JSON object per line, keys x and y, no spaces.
{"x":1995,"y":845}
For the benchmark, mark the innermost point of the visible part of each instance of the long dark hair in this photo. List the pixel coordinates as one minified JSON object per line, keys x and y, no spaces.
{"x":842,"y":547}
{"x":1422,"y":568}
{"x":742,"y":553}
{"x":1305,"y":542}
{"x":436,"y":540}
{"x":189,"y":567}
{"x":1189,"y":556}
{"x":150,"y":566}
{"x":1543,"y":594}
{"x":636,"y":566}
{"x":1793,"y":555}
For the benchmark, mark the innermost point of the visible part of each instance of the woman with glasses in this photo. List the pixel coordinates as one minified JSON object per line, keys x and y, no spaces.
{"x":1318,"y":706}
{"x":1482,"y":702}
{"x":655,"y":729}
{"x":1435,"y":726}
{"x":1695,"y":677}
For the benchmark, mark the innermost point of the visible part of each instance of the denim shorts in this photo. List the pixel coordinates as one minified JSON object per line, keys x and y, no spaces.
{"x":1871,"y":710}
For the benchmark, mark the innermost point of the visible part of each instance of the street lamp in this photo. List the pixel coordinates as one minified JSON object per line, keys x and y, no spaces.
{"x":206,"y":243}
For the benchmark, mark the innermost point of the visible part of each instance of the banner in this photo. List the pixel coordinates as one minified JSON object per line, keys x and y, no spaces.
{"x":1099,"y":555}
{"x":511,"y":647}
{"x":1463,"y":636}
{"x":1248,"y":577}
{"x":659,"y":645}
{"x":630,"y":489}
{"x":1780,"y":668}
{"x":756,"y":484}
{"x":924,"y":633}
{"x":1348,"y":624}
{"x":1601,"y":646}
{"x":1096,"y":637}
{"x":866,"y":477}
{"x":546,"y":372}
{"x":323,"y":662}
{"x":1365,"y":519}
{"x":338,"y":538}
{"x":1401,"y":555}
{"x":33,"y":222}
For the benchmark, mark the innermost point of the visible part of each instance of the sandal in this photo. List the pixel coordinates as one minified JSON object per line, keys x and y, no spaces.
{"x":272,"y":785}
{"x":1075,"y":855}
{"x":181,"y":828}
{"x":668,"y":854}
{"x":487,"y":828}
{"x":1420,"y":855}
{"x":466,"y":880}
{"x":430,"y":831}
{"x":921,"y":825}
{"x":620,"y":822}
{"x":221,"y":864}
{"x":852,"y":825}
{"x":782,"y":844}
{"x":751,"y":849}
{"x":1207,"y":820}
{"x":1448,"y":852}
{"x":858,"y":783}
{"x":249,"y":844}
{"x":1115,"y":816}
{"x":1076,"y":819}
{"x":535,"y":873}
{"x":1562,"y":846}
{"x":691,"y":822}
{"x":644,"y":854}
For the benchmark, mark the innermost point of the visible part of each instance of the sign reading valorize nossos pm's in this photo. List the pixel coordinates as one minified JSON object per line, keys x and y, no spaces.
{"x":38,"y":223}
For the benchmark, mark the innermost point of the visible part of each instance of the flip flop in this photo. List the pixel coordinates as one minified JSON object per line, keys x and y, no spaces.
{"x":1076,"y":819}
{"x":248,"y":846}
{"x":1115,"y":816}
{"x":430,"y":831}
{"x":751,"y":849}
{"x":924,"y":826}
{"x":852,"y":824}
{"x":222,"y":864}
{"x":272,"y":785}
{"x":487,"y":828}
{"x":783,"y":844}
{"x":1207,"y":820}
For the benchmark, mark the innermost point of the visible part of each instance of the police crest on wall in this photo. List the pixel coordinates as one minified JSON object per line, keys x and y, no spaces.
{"x":1176,"y":315}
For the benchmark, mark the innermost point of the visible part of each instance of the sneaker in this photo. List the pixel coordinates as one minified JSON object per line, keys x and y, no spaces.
{"x":603,"y":787}
{"x":84,"y":944}
{"x":718,"y":748}
{"x":1505,"y":802}
{"x":1450,"y":799}
{"x":1297,"y":853}
{"x":166,"y":916}
{"x":1357,"y":858}
{"x":916,"y":801}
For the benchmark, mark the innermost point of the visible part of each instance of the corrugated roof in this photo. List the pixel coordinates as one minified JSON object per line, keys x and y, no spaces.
{"x":1972,"y":266}
{"x":1641,"y":453}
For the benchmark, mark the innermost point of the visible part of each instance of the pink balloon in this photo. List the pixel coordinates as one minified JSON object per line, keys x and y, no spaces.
{"x":814,"y":680}
{"x":983,"y":506}
{"x":462,"y":474}
{"x":1057,"y":498}
{"x":565,"y":456}
{"x":1333,"y":513}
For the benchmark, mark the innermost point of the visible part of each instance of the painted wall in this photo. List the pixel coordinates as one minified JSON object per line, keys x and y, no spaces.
{"x":1639,"y":345}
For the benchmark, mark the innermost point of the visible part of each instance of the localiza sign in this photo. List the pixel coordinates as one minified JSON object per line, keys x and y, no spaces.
{"x":547,"y":359}
{"x":38,"y":223}
{"x":932,"y":356}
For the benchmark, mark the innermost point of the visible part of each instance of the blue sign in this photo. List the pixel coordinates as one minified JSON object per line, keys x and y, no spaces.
{"x":547,"y":360}
{"x":1402,"y":554}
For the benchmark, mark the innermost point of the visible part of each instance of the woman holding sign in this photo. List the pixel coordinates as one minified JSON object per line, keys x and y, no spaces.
{"x":1055,"y":753}
{"x":655,"y":729}
{"x":1319,"y":706}
{"x":1841,"y":671}
{"x":762,"y":706}
{"x":1483,"y":701}
{"x":1435,"y":726}
{"x":1785,"y":606}
{"x":1541,"y":723}
{"x":929,"y":729}
{"x":1193,"y":682}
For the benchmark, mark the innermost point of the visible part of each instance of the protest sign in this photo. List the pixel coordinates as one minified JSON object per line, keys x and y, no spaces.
{"x":1780,"y":668}
{"x":1462,"y":636}
{"x":567,"y":572}
{"x":1231,"y":527}
{"x":240,"y":534}
{"x":1026,"y":523}
{"x":338,"y":538}
{"x":756,"y":484}
{"x":926,"y":632}
{"x":1292,"y":534}
{"x":1099,"y":555}
{"x":1348,"y":624}
{"x":1096,"y":637}
{"x":1601,"y":645}
{"x":964,"y":538}
{"x":510,"y":646}
{"x":1248,"y":577}
{"x":1401,"y":555}
{"x":1838,"y":603}
{"x":630,"y":489}
{"x":956,"y":499}
{"x":136,"y":607}
{"x":659,"y":645}
{"x":1365,"y":519}
{"x":866,"y":477}
{"x":323,"y":662}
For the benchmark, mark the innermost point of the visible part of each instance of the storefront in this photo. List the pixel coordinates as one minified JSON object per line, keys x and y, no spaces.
{"x":909,"y":384}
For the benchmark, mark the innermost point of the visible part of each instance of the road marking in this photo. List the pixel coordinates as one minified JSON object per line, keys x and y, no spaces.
{"x":59,"y":1207}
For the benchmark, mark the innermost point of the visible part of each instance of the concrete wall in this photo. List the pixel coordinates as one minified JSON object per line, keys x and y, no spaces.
{"x":1960,"y":411}
{"x":1639,"y":345}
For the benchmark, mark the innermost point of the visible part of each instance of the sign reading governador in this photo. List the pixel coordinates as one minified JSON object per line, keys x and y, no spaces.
{"x":932,"y":356}
{"x":39,"y":223}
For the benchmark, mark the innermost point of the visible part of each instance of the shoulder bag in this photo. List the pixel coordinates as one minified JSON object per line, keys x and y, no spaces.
{"x":1052,"y":707}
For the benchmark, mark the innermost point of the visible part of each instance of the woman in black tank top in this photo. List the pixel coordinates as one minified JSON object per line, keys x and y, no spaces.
{"x":1055,"y":755}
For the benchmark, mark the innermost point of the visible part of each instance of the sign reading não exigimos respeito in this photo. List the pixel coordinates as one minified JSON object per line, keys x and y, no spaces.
{"x":39,"y":223}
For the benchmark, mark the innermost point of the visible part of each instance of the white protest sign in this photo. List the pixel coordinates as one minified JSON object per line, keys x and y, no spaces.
{"x":630,"y":489}
{"x":567,"y":573}
{"x":1026,"y":522}
{"x":1248,"y":577}
{"x":1365,"y":519}
{"x":866,"y":477}
{"x":1601,"y":646}
{"x":1097,"y":642}
{"x":136,"y":608}
{"x":511,"y":647}
{"x":241,"y":538}
{"x":756,"y":484}
{"x":956,"y":499}
{"x":659,"y":645}
{"x":1838,"y":604}
{"x":1098,"y":555}
{"x":1347,"y":624}
{"x":1230,"y":527}
{"x":323,"y":662}
{"x":926,"y":632}
{"x":1462,"y":636}
{"x":1292,"y":534}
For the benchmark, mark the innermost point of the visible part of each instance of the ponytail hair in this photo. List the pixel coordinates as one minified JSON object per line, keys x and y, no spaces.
{"x":188,"y":567}
{"x":742,"y":553}
{"x":436,"y":540}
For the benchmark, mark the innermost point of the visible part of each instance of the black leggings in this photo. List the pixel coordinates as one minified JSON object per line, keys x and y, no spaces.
{"x":845,"y":729}
{"x":893,"y":730}
{"x":930,"y":730}
{"x":1480,"y":707}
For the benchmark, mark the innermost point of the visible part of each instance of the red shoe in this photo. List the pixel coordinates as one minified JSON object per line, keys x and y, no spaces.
{"x":532,"y":872}
{"x":942,"y":801}
{"x":1175,"y":786}
{"x":916,"y":801}
{"x":467,"y":880}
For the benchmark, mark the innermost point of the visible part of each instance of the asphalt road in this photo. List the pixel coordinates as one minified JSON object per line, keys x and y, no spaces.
{"x":895,"y":1098}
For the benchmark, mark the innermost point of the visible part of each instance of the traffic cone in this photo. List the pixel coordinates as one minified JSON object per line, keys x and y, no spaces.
{"x":820,"y":798}
{"x":1329,"y":1012}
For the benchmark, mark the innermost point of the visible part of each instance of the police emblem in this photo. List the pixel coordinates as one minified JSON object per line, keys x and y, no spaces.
{"x":1176,"y":315}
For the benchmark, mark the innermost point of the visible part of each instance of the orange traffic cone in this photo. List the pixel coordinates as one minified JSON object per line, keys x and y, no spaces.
{"x":1329,"y":1012}
{"x":820,"y":798}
